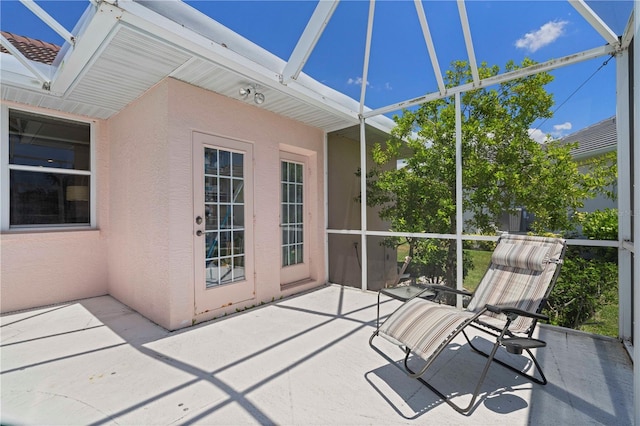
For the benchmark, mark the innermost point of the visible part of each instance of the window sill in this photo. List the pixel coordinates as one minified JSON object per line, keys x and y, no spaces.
{"x":50,"y":233}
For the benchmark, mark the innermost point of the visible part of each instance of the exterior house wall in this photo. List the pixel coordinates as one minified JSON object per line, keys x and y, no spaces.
{"x":45,"y":267}
{"x":139,"y":244}
{"x":152,"y":232}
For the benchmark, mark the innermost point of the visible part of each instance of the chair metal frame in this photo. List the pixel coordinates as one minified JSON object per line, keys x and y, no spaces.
{"x":513,"y":343}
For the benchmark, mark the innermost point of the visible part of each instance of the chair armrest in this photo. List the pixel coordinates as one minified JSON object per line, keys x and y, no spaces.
{"x":515,"y":311}
{"x":437,"y":288}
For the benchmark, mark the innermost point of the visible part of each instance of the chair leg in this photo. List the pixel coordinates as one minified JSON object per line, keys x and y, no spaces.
{"x":417,"y":375}
{"x":541,"y":381}
{"x":476,"y":392}
{"x":378,"y":313}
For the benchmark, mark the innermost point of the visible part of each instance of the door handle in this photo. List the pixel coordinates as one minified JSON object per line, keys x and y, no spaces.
{"x":199,"y":232}
{"x":199,"y":220}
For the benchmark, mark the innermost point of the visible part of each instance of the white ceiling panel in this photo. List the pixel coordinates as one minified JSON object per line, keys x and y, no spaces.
{"x":129,"y":65}
{"x":207,"y":75}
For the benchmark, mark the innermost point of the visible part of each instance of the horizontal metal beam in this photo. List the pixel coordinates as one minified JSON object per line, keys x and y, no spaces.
{"x":470,"y":237}
{"x":501,"y":78}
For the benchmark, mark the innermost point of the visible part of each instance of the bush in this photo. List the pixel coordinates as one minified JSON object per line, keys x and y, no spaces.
{"x":589,"y":276}
{"x":584,"y":286}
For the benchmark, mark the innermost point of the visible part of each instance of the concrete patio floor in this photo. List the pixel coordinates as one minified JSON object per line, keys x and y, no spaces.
{"x":302,"y":360}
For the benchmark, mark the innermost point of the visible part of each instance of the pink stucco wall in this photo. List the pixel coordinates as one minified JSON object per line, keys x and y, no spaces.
{"x":44,"y":267}
{"x":151,"y":242}
{"x":142,"y":251}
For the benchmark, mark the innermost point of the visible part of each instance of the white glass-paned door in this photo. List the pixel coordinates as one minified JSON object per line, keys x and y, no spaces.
{"x":223,"y":222}
{"x":294,"y":218}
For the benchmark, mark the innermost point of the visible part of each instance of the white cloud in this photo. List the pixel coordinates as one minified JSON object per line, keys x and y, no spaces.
{"x":357,"y":81}
{"x":547,"y":34}
{"x":560,"y":130}
{"x":561,"y":127}
{"x":387,"y":86}
{"x":538,"y":136}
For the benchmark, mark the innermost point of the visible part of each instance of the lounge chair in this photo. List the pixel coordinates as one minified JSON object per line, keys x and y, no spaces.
{"x":399,"y":290}
{"x":506,"y":305}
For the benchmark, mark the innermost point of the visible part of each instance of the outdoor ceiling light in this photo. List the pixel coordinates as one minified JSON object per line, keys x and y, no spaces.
{"x":245,"y":92}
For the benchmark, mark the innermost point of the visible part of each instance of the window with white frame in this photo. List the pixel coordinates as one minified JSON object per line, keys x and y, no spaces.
{"x":49,"y":171}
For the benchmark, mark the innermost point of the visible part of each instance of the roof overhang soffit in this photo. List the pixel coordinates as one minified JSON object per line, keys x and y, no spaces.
{"x":140,"y":18}
{"x":97,"y":26}
{"x":103,"y":19}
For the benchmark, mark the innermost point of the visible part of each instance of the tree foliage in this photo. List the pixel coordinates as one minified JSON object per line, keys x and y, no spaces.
{"x":503,"y":168}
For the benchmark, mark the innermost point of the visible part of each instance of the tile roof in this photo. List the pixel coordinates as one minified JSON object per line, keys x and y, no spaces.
{"x":595,"y":139}
{"x":35,"y":50}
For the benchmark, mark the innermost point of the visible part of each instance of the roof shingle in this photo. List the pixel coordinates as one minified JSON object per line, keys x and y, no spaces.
{"x":595,"y":139}
{"x":35,"y":50}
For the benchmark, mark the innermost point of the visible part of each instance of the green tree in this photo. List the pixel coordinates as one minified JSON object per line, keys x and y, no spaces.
{"x":503,"y":168}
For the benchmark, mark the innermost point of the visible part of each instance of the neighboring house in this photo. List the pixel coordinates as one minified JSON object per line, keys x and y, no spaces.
{"x":593,"y":141}
{"x":158,"y":159}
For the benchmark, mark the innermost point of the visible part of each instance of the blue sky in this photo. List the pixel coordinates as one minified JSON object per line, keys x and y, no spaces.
{"x":399,"y":64}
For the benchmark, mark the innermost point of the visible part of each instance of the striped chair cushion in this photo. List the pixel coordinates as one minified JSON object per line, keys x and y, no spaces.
{"x":423,"y":326}
{"x":515,"y":285}
{"x":522,"y":256}
{"x":510,"y":287}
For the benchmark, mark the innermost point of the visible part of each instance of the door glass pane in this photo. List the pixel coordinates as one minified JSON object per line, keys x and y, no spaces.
{"x":211,"y":218}
{"x":238,"y":168}
{"x":225,"y":163}
{"x":238,"y":191}
{"x":224,"y":211}
{"x":238,"y":242}
{"x":225,"y":190}
{"x":298,"y":173}
{"x":210,"y":189}
{"x":238,"y":268}
{"x":291,"y":220}
{"x":238,"y":216}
